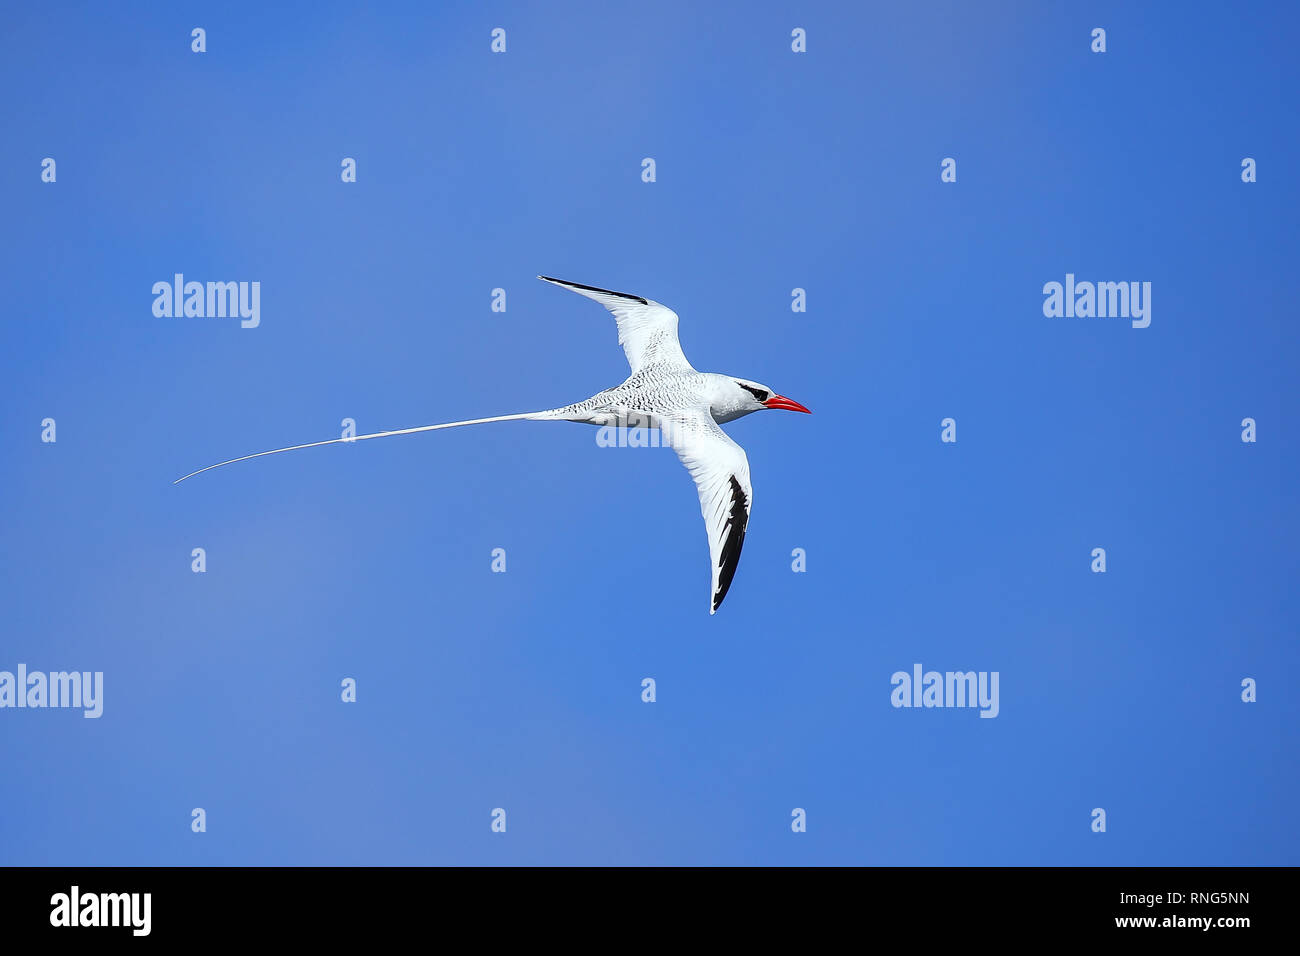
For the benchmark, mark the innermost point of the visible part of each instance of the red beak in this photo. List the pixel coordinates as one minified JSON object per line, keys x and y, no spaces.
{"x":780,"y":401}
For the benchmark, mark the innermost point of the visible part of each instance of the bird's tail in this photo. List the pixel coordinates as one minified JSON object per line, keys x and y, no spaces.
{"x":534,"y":416}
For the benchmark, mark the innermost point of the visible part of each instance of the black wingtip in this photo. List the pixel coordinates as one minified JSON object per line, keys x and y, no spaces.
{"x":594,"y":288}
{"x":729,"y":560}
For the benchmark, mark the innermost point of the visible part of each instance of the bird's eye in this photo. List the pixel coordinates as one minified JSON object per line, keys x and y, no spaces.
{"x":758,"y":393}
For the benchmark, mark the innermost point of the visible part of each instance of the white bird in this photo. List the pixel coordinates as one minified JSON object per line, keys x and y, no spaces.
{"x":664,"y":391}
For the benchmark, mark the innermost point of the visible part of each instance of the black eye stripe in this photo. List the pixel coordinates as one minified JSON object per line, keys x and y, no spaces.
{"x":758,"y":393}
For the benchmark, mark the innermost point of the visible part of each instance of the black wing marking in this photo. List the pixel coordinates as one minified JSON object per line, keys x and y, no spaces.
{"x":729,"y":560}
{"x":592,"y":288}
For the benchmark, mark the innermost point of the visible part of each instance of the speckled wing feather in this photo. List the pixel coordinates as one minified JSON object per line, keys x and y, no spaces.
{"x":646,"y":330}
{"x":720,"y":469}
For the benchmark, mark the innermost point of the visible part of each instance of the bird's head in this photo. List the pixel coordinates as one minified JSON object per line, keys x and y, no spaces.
{"x":753,"y":396}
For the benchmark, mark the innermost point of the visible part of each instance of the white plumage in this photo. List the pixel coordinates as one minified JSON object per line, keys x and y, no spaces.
{"x":664,"y":391}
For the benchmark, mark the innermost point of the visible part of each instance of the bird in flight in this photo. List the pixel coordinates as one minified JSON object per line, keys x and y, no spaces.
{"x":664,"y":391}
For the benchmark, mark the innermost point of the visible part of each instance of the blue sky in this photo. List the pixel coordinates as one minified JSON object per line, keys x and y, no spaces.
{"x":521,"y":690}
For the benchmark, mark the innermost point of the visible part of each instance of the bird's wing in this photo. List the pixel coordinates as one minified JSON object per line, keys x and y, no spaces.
{"x":721,"y":472}
{"x":646,"y":330}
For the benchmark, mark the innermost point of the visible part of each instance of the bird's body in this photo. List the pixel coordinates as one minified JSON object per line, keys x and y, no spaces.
{"x":665,"y":392}
{"x":658,"y":393}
